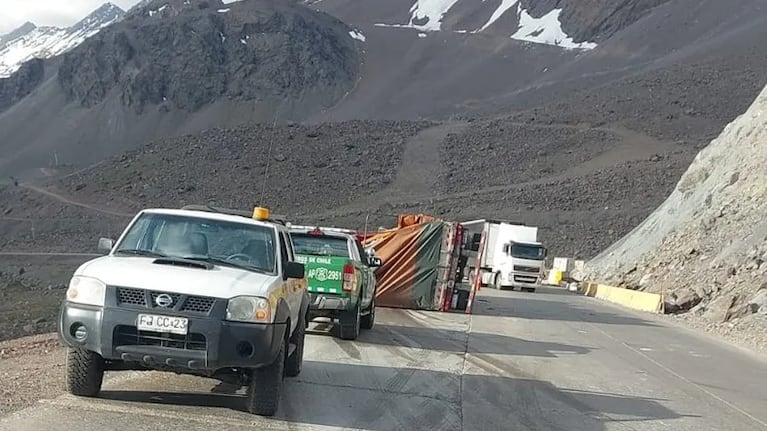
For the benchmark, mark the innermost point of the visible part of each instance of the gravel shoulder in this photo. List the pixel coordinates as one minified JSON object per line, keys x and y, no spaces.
{"x":31,"y":369}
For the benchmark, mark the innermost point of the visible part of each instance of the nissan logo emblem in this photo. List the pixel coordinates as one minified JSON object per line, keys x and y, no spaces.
{"x":163,"y":300}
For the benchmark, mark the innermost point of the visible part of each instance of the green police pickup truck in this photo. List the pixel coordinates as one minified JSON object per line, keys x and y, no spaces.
{"x":340,"y":275}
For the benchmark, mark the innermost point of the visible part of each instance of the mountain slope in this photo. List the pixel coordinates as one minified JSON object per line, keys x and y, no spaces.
{"x":705,"y":246}
{"x":414,"y":72}
{"x":175,"y":67}
{"x":28,"y":41}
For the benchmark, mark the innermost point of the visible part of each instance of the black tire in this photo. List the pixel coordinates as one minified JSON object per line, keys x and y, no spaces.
{"x":350,"y":323}
{"x":85,"y":372}
{"x":295,"y":361}
{"x":265,"y":387}
{"x":369,"y":320}
{"x":497,"y":281}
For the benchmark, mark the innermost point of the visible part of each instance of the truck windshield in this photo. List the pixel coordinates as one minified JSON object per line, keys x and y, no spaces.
{"x":219,"y":242}
{"x":534,"y":252}
{"x":320,"y":245}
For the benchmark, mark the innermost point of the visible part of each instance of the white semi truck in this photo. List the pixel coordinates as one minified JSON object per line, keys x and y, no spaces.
{"x":512,"y":256}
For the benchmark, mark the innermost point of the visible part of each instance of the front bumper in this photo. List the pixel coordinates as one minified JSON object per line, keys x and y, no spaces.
{"x":524,"y":280}
{"x":210,"y":344}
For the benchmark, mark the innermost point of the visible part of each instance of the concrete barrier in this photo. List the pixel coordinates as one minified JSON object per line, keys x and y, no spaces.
{"x":634,"y":299}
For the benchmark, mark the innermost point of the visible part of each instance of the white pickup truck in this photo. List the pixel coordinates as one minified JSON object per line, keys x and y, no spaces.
{"x":207,"y":292}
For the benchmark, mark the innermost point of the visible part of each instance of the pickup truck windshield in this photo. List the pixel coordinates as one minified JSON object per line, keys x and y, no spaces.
{"x":219,"y":242}
{"x":527,"y":252}
{"x":320,"y":245}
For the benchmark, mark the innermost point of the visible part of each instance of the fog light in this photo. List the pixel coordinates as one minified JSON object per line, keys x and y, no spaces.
{"x":80,"y":333}
{"x":244,"y":349}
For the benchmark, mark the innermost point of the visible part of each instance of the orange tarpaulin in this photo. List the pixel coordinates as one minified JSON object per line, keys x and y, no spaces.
{"x":405,"y":220}
{"x":410,"y":255}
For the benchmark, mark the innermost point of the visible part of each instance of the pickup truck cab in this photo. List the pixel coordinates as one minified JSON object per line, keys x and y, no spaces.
{"x":340,"y":275}
{"x":206,"y":292}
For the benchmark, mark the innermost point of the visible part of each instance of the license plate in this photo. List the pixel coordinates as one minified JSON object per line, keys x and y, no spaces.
{"x":174,"y":325}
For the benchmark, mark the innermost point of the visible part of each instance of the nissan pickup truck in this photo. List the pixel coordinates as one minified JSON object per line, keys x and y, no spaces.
{"x":340,"y":276}
{"x":206,"y":292}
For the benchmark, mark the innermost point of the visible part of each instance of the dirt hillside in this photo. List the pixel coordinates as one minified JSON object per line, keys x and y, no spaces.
{"x":705,"y":247}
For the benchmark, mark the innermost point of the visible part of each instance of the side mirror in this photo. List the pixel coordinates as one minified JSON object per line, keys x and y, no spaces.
{"x":506,"y":249}
{"x":545,"y":252}
{"x":106,"y":244}
{"x":294,"y":270}
{"x":374,"y":262}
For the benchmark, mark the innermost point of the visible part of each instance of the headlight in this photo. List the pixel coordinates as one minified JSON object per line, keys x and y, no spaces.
{"x":249,"y":309}
{"x":86,"y":290}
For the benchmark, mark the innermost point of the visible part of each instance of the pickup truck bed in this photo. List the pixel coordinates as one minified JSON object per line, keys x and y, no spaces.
{"x":341,"y":281}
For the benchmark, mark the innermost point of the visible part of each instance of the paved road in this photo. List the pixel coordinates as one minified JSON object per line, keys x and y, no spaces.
{"x":544,"y":361}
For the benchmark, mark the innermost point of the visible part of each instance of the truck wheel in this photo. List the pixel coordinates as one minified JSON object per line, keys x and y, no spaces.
{"x":497,"y":281}
{"x":369,"y":319}
{"x":350,"y":323}
{"x":296,"y":360}
{"x":85,"y":372}
{"x":266,"y":385}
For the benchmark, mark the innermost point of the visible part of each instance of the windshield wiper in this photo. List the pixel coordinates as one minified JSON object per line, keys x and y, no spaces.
{"x":219,"y":261}
{"x":138,"y":252}
{"x":310,"y":253}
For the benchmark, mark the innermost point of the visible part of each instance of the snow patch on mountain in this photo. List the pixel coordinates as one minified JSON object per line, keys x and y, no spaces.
{"x":427,"y":16}
{"x":357,"y":35}
{"x":505,"y":5}
{"x":546,"y":29}
{"x":46,"y":42}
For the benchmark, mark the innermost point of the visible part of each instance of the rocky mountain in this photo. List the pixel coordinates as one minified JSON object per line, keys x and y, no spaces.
{"x":177,"y":66}
{"x":584,"y":142}
{"x":705,"y":246}
{"x":570,"y":25}
{"x":24,"y":29}
{"x":29,"y":41}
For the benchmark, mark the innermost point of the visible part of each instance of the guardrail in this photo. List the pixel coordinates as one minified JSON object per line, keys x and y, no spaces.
{"x":634,"y":299}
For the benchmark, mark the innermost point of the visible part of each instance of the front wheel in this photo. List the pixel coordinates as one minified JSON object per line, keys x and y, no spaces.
{"x":497,"y":281}
{"x":295,"y":361}
{"x":266,"y":386}
{"x":85,"y":372}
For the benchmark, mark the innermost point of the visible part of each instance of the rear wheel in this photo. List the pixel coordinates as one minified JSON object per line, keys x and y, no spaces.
{"x":266,"y":386}
{"x":350,"y":323}
{"x":85,"y":372}
{"x":368,"y":320}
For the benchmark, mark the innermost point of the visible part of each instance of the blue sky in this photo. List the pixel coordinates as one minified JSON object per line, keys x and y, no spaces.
{"x":60,"y":13}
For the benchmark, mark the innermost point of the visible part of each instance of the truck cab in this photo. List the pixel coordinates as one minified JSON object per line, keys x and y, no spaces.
{"x":509,"y":254}
{"x":522,"y":265}
{"x":199,"y":291}
{"x":341,"y":276}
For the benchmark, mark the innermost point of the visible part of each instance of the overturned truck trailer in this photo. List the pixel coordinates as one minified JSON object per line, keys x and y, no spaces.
{"x":419,"y":258}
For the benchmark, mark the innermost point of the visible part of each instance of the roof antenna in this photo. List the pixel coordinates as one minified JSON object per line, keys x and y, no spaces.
{"x":269,"y":153}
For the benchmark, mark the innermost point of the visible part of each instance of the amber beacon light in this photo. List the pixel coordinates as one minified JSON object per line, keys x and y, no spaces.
{"x":260,"y":213}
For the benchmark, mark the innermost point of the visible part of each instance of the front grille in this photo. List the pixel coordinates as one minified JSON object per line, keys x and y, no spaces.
{"x":198,"y":304}
{"x":141,"y":298}
{"x":126,"y":295}
{"x":130,"y":336}
{"x":521,"y":268}
{"x":525,"y":279}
